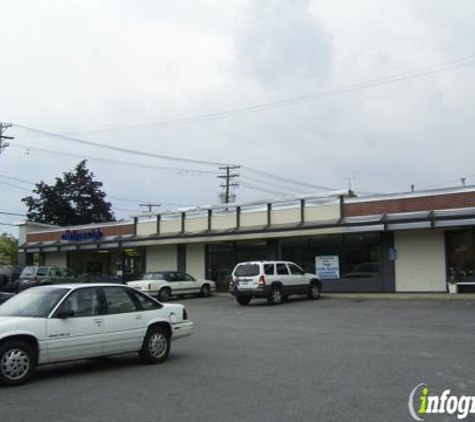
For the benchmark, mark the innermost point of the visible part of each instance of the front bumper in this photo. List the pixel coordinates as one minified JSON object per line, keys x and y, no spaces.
{"x":182,"y":329}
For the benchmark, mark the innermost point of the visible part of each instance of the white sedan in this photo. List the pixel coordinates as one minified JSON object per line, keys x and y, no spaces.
{"x":164,"y":284}
{"x":50,"y":324}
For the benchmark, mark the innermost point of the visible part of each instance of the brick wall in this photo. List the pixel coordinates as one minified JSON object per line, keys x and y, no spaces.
{"x":422,"y":203}
{"x":56,"y":236}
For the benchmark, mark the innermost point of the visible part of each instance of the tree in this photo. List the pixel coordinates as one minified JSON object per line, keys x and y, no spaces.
{"x":8,"y":249}
{"x":74,"y":199}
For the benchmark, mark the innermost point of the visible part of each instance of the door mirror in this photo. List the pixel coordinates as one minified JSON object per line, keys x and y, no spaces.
{"x":65,"y":313}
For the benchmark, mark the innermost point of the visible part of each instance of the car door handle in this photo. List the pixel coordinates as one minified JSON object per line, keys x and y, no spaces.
{"x":139,"y":316}
{"x":98,"y":321}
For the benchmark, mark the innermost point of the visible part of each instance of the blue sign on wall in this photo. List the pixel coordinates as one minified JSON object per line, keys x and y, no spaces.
{"x":73,"y":235}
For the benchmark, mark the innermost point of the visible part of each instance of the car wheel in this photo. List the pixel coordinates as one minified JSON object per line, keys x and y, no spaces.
{"x":156,"y":345}
{"x":205,"y":290}
{"x":164,"y":294}
{"x":275,"y":296}
{"x":17,"y":362}
{"x":243,"y":300}
{"x":314,"y":291}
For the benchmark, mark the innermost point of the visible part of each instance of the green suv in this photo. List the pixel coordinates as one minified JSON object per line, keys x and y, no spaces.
{"x":36,"y":275}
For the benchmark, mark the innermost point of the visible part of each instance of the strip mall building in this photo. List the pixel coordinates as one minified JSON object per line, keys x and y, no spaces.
{"x":411,"y":242}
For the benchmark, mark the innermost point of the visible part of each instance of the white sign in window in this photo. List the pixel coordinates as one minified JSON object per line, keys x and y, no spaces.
{"x":327,"y":267}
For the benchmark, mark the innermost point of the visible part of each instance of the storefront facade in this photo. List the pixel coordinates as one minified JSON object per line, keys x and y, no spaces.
{"x":411,"y":242}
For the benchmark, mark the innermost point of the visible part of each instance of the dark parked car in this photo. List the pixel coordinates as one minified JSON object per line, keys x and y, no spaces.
{"x":9,"y":275}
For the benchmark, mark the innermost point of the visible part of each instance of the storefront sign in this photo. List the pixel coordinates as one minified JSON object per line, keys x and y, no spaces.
{"x":327,"y":267}
{"x":73,"y":235}
{"x":392,"y":254}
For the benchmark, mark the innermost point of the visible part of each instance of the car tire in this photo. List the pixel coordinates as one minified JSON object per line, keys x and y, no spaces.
{"x":243,"y":300}
{"x":156,"y":345}
{"x":17,"y":362}
{"x":205,"y":290}
{"x":275,"y":296}
{"x":164,"y":294}
{"x":314,"y":291}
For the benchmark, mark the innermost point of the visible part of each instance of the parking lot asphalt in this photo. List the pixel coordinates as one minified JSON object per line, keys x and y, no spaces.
{"x":325,"y":360}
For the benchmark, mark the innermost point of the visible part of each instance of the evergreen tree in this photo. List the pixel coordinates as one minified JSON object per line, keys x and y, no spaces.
{"x":74,"y":199}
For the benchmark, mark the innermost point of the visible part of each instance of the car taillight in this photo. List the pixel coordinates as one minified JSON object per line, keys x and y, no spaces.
{"x":34,"y":279}
{"x":185,"y":314}
{"x":262,"y":281}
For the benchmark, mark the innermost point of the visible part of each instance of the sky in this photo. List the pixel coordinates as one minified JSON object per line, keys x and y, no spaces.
{"x":378,"y":94}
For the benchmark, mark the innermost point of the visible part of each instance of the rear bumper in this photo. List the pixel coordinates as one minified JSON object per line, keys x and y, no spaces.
{"x":182,"y":329}
{"x":251,"y":292}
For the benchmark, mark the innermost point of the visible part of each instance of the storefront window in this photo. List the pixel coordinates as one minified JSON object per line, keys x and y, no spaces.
{"x":357,"y":259}
{"x":461,"y":256}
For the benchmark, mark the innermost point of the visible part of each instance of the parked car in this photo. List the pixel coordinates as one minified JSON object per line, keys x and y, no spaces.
{"x":35,"y":275}
{"x":164,"y":284}
{"x":273,"y":280}
{"x":5,"y":296}
{"x":50,"y":324}
{"x":9,"y":275}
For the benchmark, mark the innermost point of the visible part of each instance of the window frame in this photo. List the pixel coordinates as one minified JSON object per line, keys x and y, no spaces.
{"x":59,"y":306}
{"x":126,"y":290}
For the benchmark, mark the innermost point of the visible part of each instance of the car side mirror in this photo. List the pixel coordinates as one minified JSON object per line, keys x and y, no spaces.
{"x":65,"y":313}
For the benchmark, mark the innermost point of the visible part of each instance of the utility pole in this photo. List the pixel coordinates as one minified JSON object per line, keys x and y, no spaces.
{"x":229,"y":180}
{"x":150,"y":206}
{"x":3,"y":143}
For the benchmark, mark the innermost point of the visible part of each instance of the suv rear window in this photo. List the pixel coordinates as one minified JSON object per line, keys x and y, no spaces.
{"x":247,"y":270}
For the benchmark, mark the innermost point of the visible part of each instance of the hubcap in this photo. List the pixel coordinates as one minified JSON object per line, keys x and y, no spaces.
{"x":15,"y":364}
{"x":277,"y":296}
{"x":157,"y":345}
{"x":315,"y":291}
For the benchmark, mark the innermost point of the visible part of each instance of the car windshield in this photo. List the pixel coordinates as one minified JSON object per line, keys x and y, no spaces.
{"x":28,"y":271}
{"x":247,"y":270}
{"x":153,"y":276}
{"x":36,"y":302}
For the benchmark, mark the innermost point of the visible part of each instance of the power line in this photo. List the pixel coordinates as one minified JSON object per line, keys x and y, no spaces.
{"x":370,"y":83}
{"x":7,"y":224}
{"x":15,"y":186}
{"x":118,"y":149}
{"x":263,"y":189}
{"x":12,"y":214}
{"x":136,"y":201}
{"x":286,"y":180}
{"x":15,"y":179}
{"x":121,"y":162}
{"x":272,"y":184}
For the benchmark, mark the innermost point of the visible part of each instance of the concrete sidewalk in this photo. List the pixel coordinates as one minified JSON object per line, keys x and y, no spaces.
{"x":400,"y":296}
{"x":390,"y":296}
